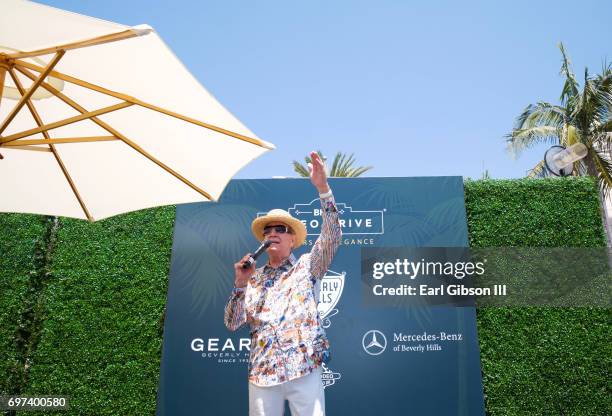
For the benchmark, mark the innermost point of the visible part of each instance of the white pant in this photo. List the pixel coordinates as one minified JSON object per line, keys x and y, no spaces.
{"x":305,"y":395}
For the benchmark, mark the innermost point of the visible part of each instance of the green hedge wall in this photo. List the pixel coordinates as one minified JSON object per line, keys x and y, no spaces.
{"x":100,"y":343}
{"x":96,"y":336}
{"x":541,"y":361}
{"x":20,"y":263}
{"x":534,"y":213}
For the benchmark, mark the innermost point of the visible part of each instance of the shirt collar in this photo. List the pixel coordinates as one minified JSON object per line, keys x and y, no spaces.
{"x":287,"y":263}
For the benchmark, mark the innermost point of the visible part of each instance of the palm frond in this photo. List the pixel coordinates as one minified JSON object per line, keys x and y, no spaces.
{"x":522,"y":139}
{"x":545,"y":114}
{"x":541,"y":114}
{"x":338,"y":167}
{"x":595,"y":105}
{"x":360,"y":171}
{"x":606,"y":68}
{"x":537,"y":171}
{"x":603,"y":163}
{"x":603,"y":128}
{"x":585,"y":110}
{"x":570,"y":87}
{"x":300,"y":169}
{"x":520,"y":120}
{"x":602,"y":143}
{"x":343,"y":168}
{"x":337,"y":160}
{"x":602,"y":97}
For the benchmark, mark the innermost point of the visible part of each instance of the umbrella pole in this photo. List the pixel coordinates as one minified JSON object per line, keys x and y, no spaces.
{"x":3,"y":68}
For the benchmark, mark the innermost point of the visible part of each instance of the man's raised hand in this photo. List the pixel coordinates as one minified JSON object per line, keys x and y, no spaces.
{"x":318,"y":177}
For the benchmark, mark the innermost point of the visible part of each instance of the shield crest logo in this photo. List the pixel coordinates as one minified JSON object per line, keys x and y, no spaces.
{"x":329,"y":291}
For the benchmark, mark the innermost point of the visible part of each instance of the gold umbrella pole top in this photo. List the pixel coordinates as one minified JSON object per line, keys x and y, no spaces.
{"x":4,"y":66}
{"x":5,"y":61}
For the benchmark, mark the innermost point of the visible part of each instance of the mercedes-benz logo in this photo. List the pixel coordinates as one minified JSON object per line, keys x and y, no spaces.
{"x":374,"y":342}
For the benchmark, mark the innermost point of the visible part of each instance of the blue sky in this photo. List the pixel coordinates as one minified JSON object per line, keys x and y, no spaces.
{"x":412,"y":88}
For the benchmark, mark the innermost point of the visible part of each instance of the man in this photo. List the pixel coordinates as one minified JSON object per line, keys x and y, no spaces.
{"x":279,"y":302}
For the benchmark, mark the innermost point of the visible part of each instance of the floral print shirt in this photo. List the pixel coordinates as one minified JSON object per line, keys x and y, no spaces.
{"x":280,"y":305}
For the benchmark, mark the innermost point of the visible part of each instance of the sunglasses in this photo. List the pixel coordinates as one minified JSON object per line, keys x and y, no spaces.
{"x":280,"y":229}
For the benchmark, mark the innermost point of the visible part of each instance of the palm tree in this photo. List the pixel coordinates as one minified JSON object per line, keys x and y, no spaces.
{"x":583,"y":116}
{"x":342,"y":166}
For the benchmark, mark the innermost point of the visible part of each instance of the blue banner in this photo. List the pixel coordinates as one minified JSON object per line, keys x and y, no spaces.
{"x":386,"y":360}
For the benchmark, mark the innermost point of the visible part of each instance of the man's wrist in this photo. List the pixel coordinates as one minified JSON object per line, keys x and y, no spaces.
{"x":324,"y":195}
{"x":323,"y":190}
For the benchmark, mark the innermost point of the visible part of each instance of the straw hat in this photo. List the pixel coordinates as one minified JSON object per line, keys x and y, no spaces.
{"x":279,"y":215}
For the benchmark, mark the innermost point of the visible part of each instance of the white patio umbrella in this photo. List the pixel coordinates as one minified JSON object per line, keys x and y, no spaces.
{"x":98,"y":119}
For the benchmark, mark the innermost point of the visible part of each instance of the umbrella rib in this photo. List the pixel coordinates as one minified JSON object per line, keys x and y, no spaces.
{"x":52,"y":148}
{"x":25,"y":97}
{"x":126,"y":34}
{"x":65,"y":122}
{"x":136,"y":101}
{"x":19,"y":143}
{"x":31,"y":148}
{"x":115,"y":133}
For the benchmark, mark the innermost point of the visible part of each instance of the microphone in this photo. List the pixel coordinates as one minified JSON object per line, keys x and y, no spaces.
{"x":264,"y":245}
